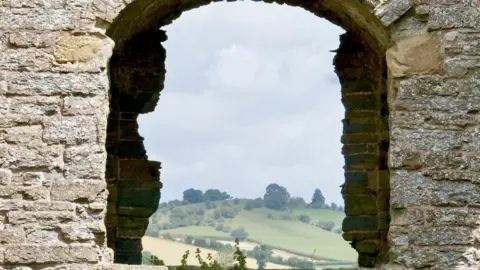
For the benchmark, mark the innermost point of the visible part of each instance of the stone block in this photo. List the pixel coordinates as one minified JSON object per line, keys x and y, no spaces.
{"x":70,"y":130}
{"x":74,"y":105}
{"x":359,"y":223}
{"x":35,"y":106}
{"x":40,"y":218}
{"x":77,"y":190}
{"x":24,"y":134}
{"x":12,"y":236}
{"x":77,"y":48}
{"x":415,"y":55}
{"x":84,"y":253}
{"x":40,"y":254}
{"x":5,"y":176}
{"x":408,"y":216}
{"x":44,"y":83}
{"x":44,"y":236}
{"x":23,"y":156}
{"x":360,"y":204}
{"x":360,"y":102}
{"x":138,"y":197}
{"x":361,"y":161}
{"x":136,"y":211}
{"x":26,"y":39}
{"x":85,"y":161}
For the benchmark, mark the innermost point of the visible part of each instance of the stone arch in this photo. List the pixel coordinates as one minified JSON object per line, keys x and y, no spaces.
{"x":137,"y":73}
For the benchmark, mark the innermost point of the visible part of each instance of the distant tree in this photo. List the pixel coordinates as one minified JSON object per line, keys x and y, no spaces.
{"x":304,"y":218}
{"x":239,"y":234}
{"x":215,"y":195}
{"x":236,"y":201}
{"x":334,"y":206}
{"x":340,"y":208}
{"x":338,"y":230}
{"x":297,"y":202}
{"x":192,"y":196}
{"x":326,"y":225}
{"x":219,"y":227}
{"x":276,"y":197}
{"x":318,"y":201}
{"x":188,"y":239}
{"x":262,"y":255}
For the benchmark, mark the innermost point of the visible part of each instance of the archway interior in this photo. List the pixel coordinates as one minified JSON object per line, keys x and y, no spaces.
{"x":137,"y":73}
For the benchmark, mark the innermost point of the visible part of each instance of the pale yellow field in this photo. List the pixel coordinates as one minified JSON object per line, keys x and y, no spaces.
{"x":276,"y":252}
{"x":171,"y":253}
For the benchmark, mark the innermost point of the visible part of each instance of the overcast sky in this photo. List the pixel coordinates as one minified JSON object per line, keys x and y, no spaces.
{"x":250,"y":98}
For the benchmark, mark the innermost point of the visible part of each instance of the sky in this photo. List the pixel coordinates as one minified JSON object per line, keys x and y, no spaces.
{"x":250,"y":98}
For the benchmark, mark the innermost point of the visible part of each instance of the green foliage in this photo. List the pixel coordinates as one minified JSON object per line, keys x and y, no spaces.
{"x":200,"y":242}
{"x":252,"y":204}
{"x":219,"y":227}
{"x":167,"y":236}
{"x":304,"y":218}
{"x":297,"y":203}
{"x":318,"y":200}
{"x":239,"y":233}
{"x":215,"y":195}
{"x":241,"y":260}
{"x":188,"y":239}
{"x":226,"y":212}
{"x":262,"y":255}
{"x":276,"y":197}
{"x":326,"y":225}
{"x":191,"y":196}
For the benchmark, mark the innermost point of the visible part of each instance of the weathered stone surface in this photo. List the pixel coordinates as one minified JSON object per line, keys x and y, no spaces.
{"x":76,"y":48}
{"x":415,"y":55}
{"x":77,"y":189}
{"x":411,"y":136}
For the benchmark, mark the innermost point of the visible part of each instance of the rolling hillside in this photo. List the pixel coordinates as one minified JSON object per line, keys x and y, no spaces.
{"x":280,"y":230}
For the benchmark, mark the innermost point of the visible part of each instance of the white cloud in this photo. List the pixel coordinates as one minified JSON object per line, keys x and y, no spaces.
{"x":250,"y":99}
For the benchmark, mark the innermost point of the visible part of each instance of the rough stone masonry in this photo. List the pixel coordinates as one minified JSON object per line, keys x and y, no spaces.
{"x":76,"y":185}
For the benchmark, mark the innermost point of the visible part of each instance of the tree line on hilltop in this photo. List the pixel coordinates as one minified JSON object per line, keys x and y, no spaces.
{"x":276,"y":197}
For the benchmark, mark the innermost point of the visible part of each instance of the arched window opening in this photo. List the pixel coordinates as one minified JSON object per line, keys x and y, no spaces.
{"x":137,"y":72}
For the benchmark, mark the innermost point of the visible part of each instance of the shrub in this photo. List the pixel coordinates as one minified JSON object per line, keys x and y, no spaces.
{"x":286,"y":217}
{"x":270,"y":216}
{"x":225,"y":212}
{"x":219,"y":227}
{"x":188,"y":239}
{"x":200,"y":242}
{"x":239,"y":233}
{"x":304,"y":218}
{"x":226,"y":229}
{"x":167,"y":236}
{"x":326,"y":225}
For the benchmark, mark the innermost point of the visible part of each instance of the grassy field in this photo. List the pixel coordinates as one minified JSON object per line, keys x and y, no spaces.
{"x":291,"y":236}
{"x":171,"y":253}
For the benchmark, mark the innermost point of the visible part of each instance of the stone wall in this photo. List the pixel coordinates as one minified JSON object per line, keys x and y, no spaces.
{"x":70,"y":149}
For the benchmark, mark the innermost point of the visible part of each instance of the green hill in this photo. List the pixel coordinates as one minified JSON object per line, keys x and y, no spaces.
{"x":278,"y":229}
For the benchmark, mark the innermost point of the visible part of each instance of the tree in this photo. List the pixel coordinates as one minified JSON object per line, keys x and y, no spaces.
{"x":276,"y":197}
{"x":239,"y":234}
{"x":326,"y":225}
{"x":262,"y":254}
{"x":334,"y":206}
{"x":215,"y":195}
{"x":318,"y":201}
{"x":192,"y":196}
{"x":304,"y":218}
{"x":297,"y":202}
